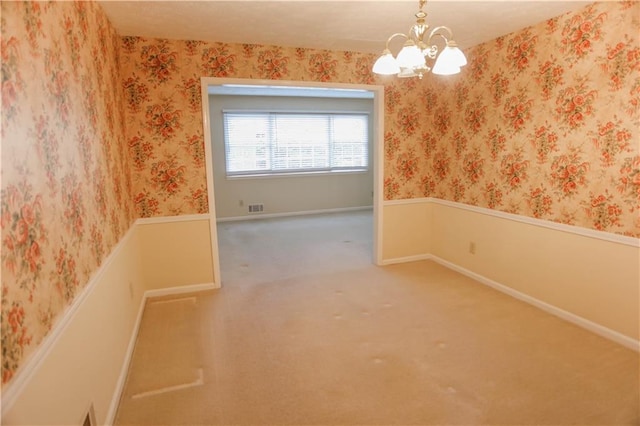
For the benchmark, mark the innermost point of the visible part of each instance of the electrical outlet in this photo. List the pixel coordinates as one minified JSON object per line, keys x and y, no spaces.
{"x":241,"y":203}
{"x":472,"y":247}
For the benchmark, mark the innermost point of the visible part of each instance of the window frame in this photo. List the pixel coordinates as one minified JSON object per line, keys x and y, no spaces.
{"x":302,"y":171}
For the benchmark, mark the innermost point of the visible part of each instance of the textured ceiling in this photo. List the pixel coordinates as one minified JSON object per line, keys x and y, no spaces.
{"x":354,"y":25}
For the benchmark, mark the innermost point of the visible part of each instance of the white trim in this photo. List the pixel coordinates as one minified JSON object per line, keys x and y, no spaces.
{"x":298,"y":174}
{"x":561,"y":313}
{"x":302,"y":213}
{"x":124,"y":370}
{"x":244,"y":90}
{"x":577,"y":230}
{"x":171,"y":219}
{"x":323,"y":112}
{"x":14,"y":388}
{"x":176,"y":300}
{"x":407,"y":201}
{"x":191,"y":288}
{"x":585,"y":232}
{"x":378,"y":150}
{"x":220,"y":81}
{"x":406,"y":259}
{"x":211,"y":198}
{"x":378,"y":173}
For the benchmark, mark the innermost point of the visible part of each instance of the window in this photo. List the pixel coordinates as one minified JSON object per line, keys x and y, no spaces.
{"x":274,"y":142}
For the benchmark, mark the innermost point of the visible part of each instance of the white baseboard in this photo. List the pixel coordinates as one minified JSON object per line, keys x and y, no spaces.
{"x":302,"y":213}
{"x":561,"y":313}
{"x":191,"y":288}
{"x":115,"y":400}
{"x":172,"y":219}
{"x":124,"y":370}
{"x":406,"y":259}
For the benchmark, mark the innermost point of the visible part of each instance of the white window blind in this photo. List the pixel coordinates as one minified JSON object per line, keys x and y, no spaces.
{"x":275,"y":142}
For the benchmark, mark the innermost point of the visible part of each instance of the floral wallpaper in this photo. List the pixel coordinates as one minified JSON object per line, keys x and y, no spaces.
{"x":98,"y":130}
{"x":544,"y":122}
{"x":161,"y":81}
{"x":66,"y":196}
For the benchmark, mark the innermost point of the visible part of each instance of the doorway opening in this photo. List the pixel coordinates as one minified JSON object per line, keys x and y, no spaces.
{"x":232,"y":190}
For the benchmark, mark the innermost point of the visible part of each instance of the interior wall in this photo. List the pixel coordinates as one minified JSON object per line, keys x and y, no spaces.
{"x":154,"y":257}
{"x":542,"y":122}
{"x":590,"y":275}
{"x":593,"y":278}
{"x":176,"y":253}
{"x":82,"y":364}
{"x":162,"y":81}
{"x":407,"y":230}
{"x":66,"y":177}
{"x":287,"y":194}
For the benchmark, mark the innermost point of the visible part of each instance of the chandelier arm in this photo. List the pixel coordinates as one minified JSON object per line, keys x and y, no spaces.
{"x":412,"y":34}
{"x":392,"y":36}
{"x":435,"y":32}
{"x":434,"y":47}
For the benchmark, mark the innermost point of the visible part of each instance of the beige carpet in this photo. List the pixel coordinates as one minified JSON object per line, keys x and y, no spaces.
{"x":307,"y":331}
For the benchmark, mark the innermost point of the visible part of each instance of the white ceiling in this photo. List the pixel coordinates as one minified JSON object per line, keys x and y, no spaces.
{"x":355,"y":25}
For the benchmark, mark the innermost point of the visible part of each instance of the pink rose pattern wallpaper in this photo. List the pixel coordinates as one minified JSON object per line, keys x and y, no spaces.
{"x":99,"y":129}
{"x":542,"y":122}
{"x":66,"y":195}
{"x":161,"y":83}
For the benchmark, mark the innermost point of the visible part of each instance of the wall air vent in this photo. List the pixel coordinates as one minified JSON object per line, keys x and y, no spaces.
{"x":256,"y":208}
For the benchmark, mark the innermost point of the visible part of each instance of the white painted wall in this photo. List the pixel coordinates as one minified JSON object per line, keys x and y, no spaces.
{"x":287,"y":194}
{"x":583,"y":273}
{"x":584,"y":276}
{"x":174,"y":254}
{"x":407,"y":230}
{"x":81,"y":362}
{"x":588,"y":277}
{"x":84,"y":360}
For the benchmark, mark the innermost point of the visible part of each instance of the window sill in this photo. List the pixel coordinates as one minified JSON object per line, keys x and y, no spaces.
{"x":297,"y":174}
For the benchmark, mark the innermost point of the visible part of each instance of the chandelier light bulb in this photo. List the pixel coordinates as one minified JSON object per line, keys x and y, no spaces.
{"x":410,"y":56}
{"x":446,"y":63}
{"x":456,"y":54}
{"x":442,"y":68}
{"x":386,"y":64}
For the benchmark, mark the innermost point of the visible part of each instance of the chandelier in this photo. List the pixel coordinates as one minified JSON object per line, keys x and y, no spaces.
{"x":417,"y":53}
